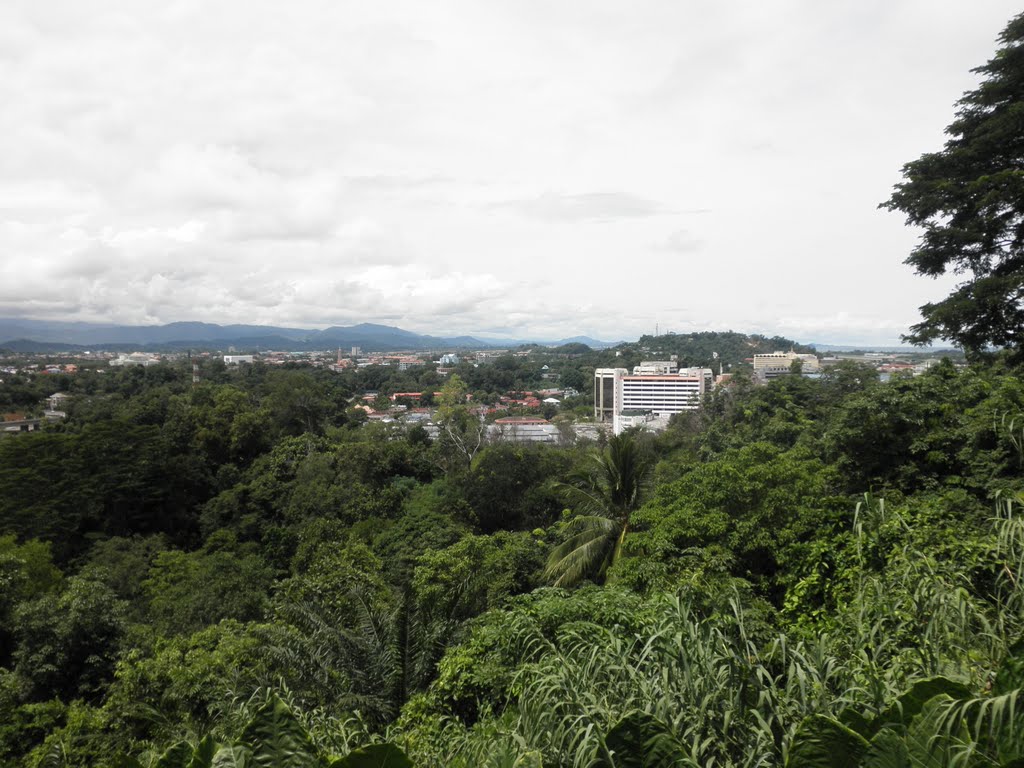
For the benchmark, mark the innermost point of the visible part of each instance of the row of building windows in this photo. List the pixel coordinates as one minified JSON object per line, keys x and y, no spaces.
{"x":654,"y":387}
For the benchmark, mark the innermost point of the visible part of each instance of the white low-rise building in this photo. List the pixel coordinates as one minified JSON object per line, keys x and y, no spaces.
{"x":524,"y":429}
{"x":135,"y":358}
{"x":770,"y":365}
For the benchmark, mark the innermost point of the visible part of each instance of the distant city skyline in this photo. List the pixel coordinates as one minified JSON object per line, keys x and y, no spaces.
{"x":512,"y":169}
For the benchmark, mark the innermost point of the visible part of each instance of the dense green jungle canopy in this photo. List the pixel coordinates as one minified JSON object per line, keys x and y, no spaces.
{"x":245,"y":563}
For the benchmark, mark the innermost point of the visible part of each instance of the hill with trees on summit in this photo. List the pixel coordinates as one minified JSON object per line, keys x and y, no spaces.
{"x":707,"y":348}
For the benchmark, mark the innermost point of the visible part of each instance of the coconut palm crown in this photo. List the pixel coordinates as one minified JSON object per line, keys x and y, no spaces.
{"x":603,"y":495}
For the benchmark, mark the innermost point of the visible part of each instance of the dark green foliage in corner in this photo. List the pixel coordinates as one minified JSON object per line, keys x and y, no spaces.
{"x":821,"y":742}
{"x":640,"y":740}
{"x":374,"y":756}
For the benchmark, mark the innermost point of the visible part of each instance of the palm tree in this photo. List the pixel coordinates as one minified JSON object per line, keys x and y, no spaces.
{"x":604,"y":496}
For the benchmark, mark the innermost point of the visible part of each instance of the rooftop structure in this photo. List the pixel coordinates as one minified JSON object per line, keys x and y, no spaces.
{"x":656,"y":367}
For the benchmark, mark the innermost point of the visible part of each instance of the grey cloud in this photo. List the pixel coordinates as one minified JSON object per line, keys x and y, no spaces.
{"x":345,"y":162}
{"x":15,"y":304}
{"x":88,"y":263}
{"x":837,"y":328}
{"x":681,"y":241}
{"x":589,"y":206}
{"x":458,"y":305}
{"x":395,"y":182}
{"x":278,"y":228}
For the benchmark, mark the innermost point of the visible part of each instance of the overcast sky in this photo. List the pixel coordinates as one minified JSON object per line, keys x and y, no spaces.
{"x":530,"y":168}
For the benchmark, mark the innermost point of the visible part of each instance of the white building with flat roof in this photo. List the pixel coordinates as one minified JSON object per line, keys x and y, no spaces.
{"x":523,"y":429}
{"x":135,"y":358}
{"x":785,"y":359}
{"x":616,"y":392}
{"x":666,"y":394}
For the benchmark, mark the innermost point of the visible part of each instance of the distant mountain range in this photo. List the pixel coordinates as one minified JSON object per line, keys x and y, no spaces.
{"x":20,"y":335}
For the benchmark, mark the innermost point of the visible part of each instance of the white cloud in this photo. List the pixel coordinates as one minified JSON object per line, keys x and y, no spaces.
{"x":588,"y":206}
{"x":548,"y":169}
{"x":681,"y":241}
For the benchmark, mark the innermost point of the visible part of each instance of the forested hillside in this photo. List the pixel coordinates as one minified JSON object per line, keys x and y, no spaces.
{"x":189,"y":566}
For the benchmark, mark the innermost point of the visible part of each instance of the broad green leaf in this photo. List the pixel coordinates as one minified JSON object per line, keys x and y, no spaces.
{"x":856,"y":721}
{"x":821,"y":742}
{"x":202,"y":757}
{"x":886,"y":750}
{"x":640,"y":740}
{"x":374,"y":756}
{"x":177,"y":756}
{"x":232,"y":757}
{"x":932,"y":742}
{"x":909,"y":704}
{"x":277,"y":739}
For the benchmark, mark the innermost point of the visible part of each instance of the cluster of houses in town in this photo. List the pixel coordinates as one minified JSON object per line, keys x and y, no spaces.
{"x":646,"y":396}
{"x":502,"y":420}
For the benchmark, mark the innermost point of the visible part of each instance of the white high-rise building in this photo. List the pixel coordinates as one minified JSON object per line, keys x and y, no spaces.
{"x":617,"y":392}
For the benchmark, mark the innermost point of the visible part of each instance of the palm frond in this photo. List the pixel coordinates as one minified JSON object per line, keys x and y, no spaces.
{"x":603,"y":494}
{"x":587,"y":552}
